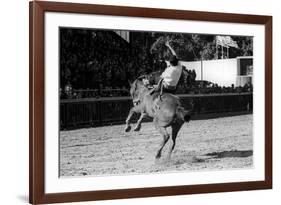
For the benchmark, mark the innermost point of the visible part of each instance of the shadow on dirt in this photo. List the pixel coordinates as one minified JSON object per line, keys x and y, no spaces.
{"x":219,"y":155}
{"x":164,"y":162}
{"x":233,"y":153}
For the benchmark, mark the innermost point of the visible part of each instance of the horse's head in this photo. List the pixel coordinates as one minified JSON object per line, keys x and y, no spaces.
{"x":137,"y":90}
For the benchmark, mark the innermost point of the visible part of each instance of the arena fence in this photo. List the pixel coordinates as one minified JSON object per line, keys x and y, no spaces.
{"x":92,"y":112}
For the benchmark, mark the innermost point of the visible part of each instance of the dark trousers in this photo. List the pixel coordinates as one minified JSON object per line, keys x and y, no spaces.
{"x":165,"y":90}
{"x":162,"y":88}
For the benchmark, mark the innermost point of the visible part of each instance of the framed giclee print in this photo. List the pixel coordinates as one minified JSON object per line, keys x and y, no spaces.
{"x":139,"y":102}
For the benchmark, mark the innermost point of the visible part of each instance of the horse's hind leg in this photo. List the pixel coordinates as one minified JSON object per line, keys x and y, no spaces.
{"x":165,"y":136}
{"x":175,"y":130}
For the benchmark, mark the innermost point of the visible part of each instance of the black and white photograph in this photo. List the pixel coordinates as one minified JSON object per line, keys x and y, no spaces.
{"x":142,"y":102}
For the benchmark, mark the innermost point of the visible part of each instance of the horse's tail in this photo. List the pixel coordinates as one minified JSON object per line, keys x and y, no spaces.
{"x":183,"y":114}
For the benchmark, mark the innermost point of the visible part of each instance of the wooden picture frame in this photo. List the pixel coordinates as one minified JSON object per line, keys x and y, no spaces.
{"x":37,"y":98}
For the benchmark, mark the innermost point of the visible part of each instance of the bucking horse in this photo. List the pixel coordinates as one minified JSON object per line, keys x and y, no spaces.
{"x":168,"y":113}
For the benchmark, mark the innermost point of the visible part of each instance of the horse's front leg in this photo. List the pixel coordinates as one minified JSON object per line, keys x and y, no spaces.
{"x":138,"y":125}
{"x":128,"y":126}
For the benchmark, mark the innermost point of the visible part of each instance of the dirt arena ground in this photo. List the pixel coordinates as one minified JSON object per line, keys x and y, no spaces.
{"x":213,"y":144}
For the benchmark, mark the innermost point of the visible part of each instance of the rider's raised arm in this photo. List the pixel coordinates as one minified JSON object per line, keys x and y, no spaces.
{"x":171,"y":49}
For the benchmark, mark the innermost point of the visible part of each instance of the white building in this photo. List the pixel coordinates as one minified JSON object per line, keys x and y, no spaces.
{"x":224,"y":72}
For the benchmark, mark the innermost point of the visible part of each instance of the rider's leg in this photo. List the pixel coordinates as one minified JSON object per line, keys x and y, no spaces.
{"x":161,"y":91}
{"x":157,"y":88}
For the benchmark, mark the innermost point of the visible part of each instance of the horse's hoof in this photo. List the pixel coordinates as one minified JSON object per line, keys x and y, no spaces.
{"x":158,"y":156}
{"x":137,"y":128}
{"x":128,"y":128}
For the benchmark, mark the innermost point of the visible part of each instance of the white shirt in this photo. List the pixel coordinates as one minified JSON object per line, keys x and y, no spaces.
{"x":171,"y":75}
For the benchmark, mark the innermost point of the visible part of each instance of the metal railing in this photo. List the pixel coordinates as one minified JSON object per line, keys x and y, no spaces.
{"x":87,"y":112}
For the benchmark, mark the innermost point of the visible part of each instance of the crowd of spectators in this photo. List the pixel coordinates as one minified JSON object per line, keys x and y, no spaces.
{"x":89,"y":58}
{"x":98,"y":63}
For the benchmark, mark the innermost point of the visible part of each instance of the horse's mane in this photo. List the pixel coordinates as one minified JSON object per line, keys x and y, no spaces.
{"x":139,"y":81}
